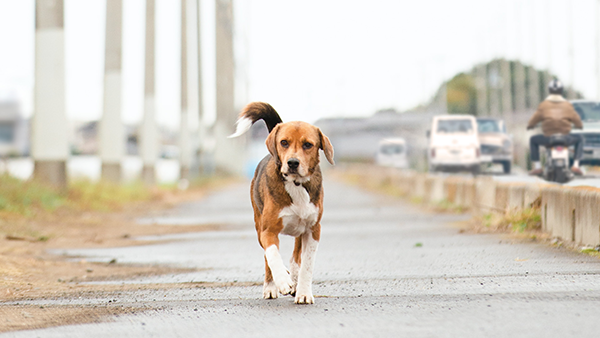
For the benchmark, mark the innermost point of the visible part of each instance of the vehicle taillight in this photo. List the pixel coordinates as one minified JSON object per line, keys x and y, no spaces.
{"x":433,"y":152}
{"x":559,"y":148}
{"x":477,"y":152}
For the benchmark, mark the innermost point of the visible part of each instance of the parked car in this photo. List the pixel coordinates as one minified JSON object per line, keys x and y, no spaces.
{"x":392,"y":153}
{"x":589,"y":111}
{"x":454,"y":144}
{"x":496,"y":144}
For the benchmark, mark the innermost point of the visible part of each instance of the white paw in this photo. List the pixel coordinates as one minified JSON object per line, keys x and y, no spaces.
{"x":270,"y":290}
{"x":304,"y":298}
{"x":284,"y":284}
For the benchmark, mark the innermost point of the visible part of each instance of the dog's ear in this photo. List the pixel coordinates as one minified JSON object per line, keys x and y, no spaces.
{"x":271,"y":142}
{"x":326,"y":147}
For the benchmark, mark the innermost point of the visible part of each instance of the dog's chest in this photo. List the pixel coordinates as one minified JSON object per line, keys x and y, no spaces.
{"x":301,"y":215}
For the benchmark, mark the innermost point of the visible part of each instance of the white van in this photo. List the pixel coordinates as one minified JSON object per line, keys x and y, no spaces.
{"x":454,"y":144}
{"x":392,"y":153}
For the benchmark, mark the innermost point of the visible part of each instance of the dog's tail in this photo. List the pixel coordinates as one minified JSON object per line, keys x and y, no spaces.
{"x":253,"y":112}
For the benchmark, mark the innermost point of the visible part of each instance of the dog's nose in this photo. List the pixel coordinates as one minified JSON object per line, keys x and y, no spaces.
{"x":293,"y":163}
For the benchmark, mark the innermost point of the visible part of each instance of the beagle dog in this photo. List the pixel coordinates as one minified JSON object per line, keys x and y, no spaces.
{"x":287,"y":198}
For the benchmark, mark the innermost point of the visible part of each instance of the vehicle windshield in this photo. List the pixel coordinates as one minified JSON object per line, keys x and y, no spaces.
{"x":490,"y":126}
{"x":454,"y":126}
{"x":391,"y":149}
{"x":588,"y":111}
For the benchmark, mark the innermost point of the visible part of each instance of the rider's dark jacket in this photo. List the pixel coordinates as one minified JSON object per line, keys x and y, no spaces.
{"x":556,"y":115}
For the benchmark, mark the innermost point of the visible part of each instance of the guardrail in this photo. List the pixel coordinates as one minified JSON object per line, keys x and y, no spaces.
{"x":570,"y":213}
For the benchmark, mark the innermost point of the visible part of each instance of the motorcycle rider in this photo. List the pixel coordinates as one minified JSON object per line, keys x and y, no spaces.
{"x":557,"y":116}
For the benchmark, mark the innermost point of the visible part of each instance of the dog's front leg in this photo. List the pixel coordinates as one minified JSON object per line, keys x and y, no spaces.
{"x":281,"y":276}
{"x":309,"y":251}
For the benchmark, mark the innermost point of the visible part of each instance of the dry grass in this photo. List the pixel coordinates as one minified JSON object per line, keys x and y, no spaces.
{"x":24,"y":205}
{"x":520,"y":221}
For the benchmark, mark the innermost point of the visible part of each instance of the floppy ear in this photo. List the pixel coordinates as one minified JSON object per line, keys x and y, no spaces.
{"x":327,"y":147}
{"x":271,"y":142}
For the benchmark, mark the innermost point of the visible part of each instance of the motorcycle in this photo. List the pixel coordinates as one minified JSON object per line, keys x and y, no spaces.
{"x":556,"y":168}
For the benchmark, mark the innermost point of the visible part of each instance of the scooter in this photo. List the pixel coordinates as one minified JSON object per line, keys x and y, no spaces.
{"x":556,"y":168}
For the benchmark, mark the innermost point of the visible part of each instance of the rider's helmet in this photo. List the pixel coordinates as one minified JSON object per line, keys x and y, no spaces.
{"x":555,"y":87}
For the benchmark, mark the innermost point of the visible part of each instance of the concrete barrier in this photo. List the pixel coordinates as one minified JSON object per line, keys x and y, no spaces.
{"x":573,"y":214}
{"x":485,"y":190}
{"x":515,"y":197}
{"x":419,"y":187}
{"x":501,"y":198}
{"x":587,"y":216}
{"x":450,"y":188}
{"x":436,"y":189}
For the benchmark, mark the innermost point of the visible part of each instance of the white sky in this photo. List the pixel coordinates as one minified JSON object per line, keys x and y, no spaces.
{"x":309,"y":59}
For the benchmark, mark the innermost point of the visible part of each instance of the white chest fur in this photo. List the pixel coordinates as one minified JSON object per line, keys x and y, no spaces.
{"x":301,"y":215}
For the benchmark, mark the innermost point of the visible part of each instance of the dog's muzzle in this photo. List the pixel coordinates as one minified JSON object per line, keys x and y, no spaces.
{"x":293,"y":165}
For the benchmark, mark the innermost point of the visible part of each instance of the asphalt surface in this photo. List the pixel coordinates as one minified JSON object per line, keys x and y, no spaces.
{"x":385,"y":268}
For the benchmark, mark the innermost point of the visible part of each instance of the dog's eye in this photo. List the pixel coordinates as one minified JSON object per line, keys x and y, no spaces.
{"x":307,"y":145}
{"x":284,"y":143}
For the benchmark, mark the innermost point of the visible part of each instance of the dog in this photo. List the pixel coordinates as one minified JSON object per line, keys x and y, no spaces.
{"x":287,"y":197}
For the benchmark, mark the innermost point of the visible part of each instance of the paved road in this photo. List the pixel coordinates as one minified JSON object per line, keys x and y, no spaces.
{"x":371,"y":279}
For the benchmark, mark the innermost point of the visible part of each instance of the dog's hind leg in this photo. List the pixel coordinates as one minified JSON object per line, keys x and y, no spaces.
{"x":295,"y":263}
{"x":310,"y":244}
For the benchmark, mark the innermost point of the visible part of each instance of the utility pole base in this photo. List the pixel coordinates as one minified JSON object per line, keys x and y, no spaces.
{"x":148,"y":175}
{"x":111,"y":172}
{"x":184,"y":173}
{"x":51,"y":172}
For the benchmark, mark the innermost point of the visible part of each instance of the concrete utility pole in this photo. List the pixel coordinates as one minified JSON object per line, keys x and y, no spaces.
{"x":228,"y":155}
{"x":534,"y":87}
{"x":49,"y":136}
{"x":571,"y":91}
{"x":520,"y":116}
{"x":534,"y":81}
{"x":549,"y":51}
{"x":520,"y":92}
{"x":148,"y":140}
{"x":444,"y":98}
{"x":507,"y":106}
{"x":185,"y":151}
{"x":112,"y":133}
{"x":494,"y":88}
{"x":598,"y":50}
{"x":481,"y":87}
{"x":201,"y":126}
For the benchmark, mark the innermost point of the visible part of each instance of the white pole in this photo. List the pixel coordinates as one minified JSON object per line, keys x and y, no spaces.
{"x":149,"y":131}
{"x":185,"y":151}
{"x":111,"y":130}
{"x":228,"y":155}
{"x":571,"y":92}
{"x":49,"y":136}
{"x":201,"y":137}
{"x":598,"y":50}
{"x":548,"y":5}
{"x":534,"y":81}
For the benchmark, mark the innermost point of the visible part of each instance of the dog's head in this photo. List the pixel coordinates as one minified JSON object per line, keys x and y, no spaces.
{"x":295,"y":145}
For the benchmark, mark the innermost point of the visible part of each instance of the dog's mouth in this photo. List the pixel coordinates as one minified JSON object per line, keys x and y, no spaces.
{"x":295,"y":177}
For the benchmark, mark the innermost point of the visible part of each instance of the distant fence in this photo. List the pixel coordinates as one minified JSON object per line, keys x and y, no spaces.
{"x":570,"y":213}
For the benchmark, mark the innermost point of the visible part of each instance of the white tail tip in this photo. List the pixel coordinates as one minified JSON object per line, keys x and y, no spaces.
{"x":243,"y":124}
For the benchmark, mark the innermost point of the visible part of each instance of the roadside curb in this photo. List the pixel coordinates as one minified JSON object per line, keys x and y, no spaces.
{"x":569,"y":213}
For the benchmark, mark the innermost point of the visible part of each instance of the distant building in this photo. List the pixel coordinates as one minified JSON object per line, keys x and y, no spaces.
{"x":357,"y":139}
{"x":85,"y":140}
{"x":14,"y":130}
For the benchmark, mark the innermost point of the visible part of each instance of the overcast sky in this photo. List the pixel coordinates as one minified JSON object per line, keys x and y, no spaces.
{"x":310,"y":59}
